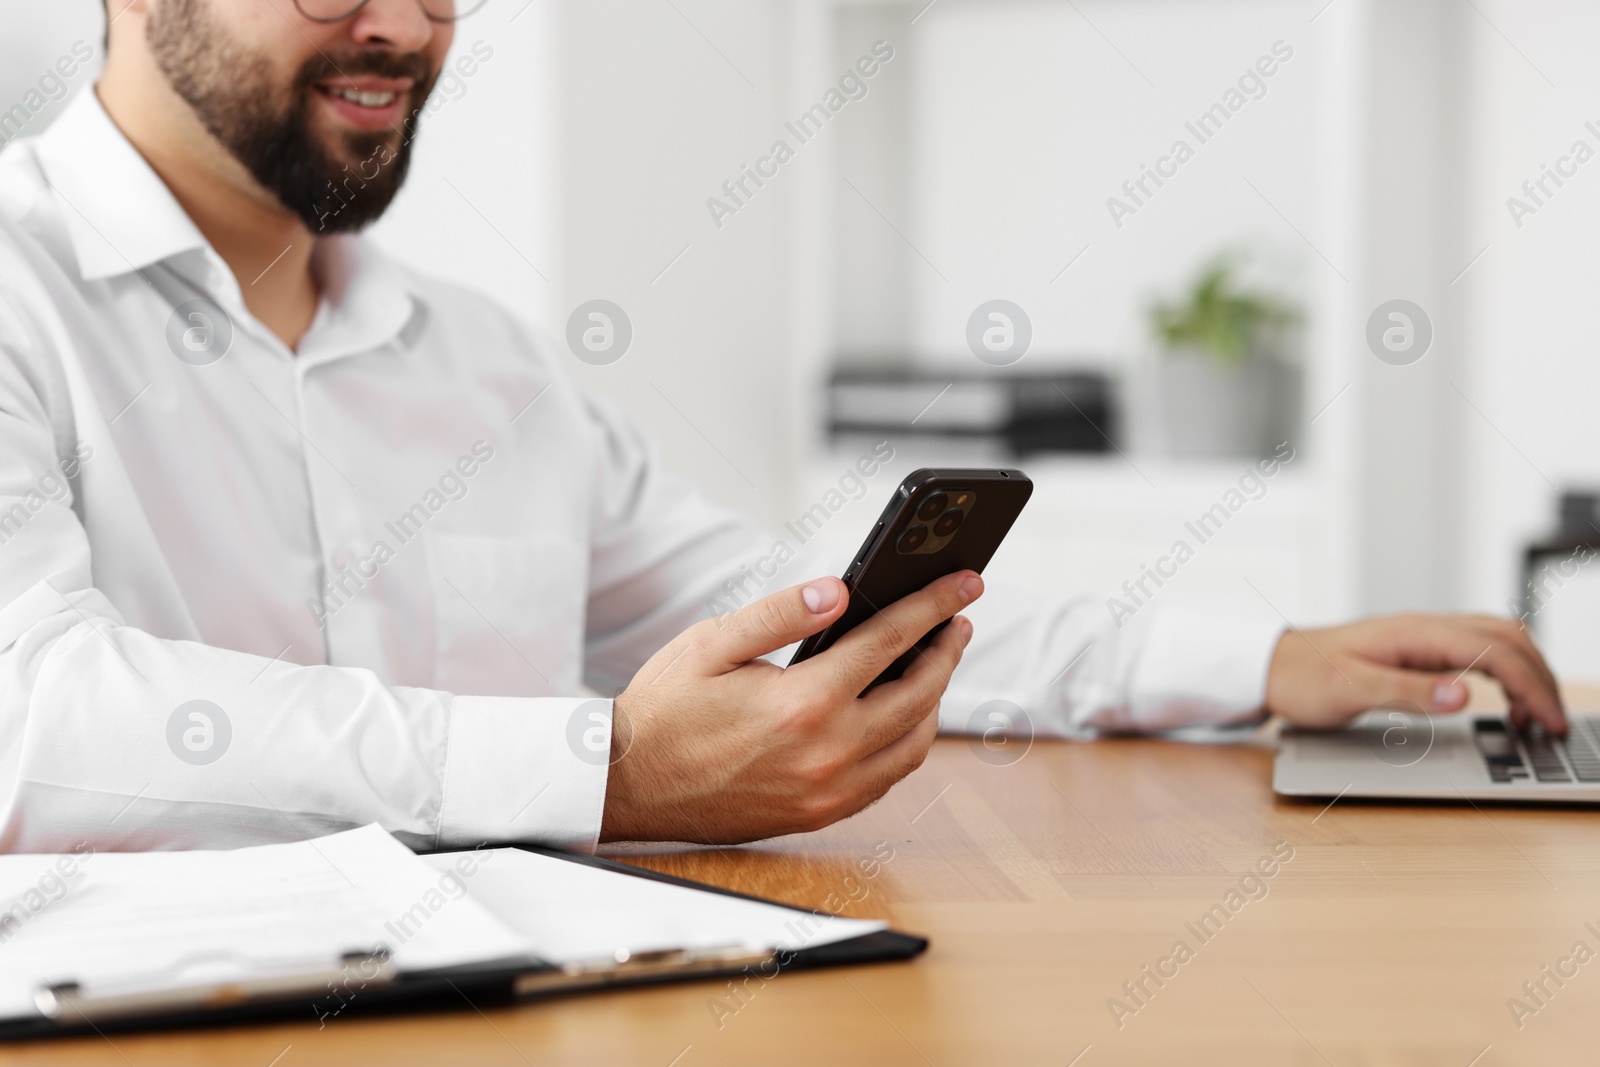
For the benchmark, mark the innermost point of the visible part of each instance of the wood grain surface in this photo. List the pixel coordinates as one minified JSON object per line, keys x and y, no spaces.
{"x":1385,"y":934}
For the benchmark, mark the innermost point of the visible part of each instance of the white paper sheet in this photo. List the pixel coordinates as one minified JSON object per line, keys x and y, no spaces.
{"x":568,"y":911}
{"x":178,"y":918}
{"x":123,"y":921}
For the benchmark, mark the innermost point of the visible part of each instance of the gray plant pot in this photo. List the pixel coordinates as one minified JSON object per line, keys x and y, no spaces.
{"x":1186,"y":404}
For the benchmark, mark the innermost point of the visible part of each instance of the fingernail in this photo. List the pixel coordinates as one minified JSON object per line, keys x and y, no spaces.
{"x":971,"y":586}
{"x":820,"y":596}
{"x":1449,"y":694}
{"x":966,"y":631}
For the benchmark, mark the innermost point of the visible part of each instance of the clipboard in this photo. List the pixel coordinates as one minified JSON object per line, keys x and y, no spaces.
{"x":364,"y":983}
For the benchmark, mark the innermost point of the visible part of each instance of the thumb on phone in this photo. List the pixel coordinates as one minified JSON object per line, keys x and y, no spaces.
{"x":773,"y":622}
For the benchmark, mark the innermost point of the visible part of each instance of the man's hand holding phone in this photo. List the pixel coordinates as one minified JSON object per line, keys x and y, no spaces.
{"x":711,"y":744}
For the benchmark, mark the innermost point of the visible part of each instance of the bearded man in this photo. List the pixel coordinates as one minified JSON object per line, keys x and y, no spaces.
{"x":296,"y":538}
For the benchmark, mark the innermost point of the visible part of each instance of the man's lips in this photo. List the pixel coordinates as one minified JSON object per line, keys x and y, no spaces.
{"x":366,"y":101}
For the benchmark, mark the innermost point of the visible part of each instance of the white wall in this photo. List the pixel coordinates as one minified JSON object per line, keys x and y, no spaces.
{"x":661,"y":104}
{"x":1529,"y":327}
{"x":1028,"y":122}
{"x":35,"y":37}
{"x":1407,"y":450}
{"x":479,"y":206}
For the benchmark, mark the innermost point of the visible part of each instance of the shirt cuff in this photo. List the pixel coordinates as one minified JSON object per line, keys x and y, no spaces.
{"x":526,"y":769}
{"x":1203,"y":665}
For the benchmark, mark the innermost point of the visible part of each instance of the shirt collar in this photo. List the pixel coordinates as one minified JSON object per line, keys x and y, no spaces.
{"x":119,"y":214}
{"x":367,"y":300}
{"x":122,"y":218}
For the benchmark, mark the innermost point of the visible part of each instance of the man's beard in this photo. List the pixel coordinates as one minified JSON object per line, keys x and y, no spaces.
{"x":231,"y":90}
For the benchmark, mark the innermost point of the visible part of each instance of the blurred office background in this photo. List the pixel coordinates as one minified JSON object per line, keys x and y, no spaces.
{"x":774,"y":343}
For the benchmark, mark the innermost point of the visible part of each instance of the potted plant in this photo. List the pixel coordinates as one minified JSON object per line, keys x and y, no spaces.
{"x":1221,"y":383}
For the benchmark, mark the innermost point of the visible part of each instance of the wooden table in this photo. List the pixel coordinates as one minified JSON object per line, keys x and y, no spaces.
{"x":1394,"y":935}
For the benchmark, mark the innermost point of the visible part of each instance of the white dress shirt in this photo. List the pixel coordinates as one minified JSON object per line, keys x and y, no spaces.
{"x":250,"y":594}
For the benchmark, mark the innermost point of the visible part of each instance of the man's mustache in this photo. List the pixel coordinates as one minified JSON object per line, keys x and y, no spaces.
{"x":322,"y":68}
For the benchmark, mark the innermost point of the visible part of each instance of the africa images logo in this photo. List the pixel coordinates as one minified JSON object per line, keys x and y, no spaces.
{"x":199,"y":332}
{"x":599,"y":332}
{"x":999,"y":333}
{"x":199,"y":732}
{"x":1399,"y":332}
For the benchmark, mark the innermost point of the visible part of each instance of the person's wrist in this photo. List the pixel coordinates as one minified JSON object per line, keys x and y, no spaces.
{"x":621,"y":728}
{"x":1280,"y":671}
{"x":615,"y":819}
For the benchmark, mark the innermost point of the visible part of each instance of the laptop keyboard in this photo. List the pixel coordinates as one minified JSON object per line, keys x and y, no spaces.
{"x":1537,"y":756}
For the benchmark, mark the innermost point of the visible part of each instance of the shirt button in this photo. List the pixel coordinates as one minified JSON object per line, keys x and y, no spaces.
{"x":341,"y":559}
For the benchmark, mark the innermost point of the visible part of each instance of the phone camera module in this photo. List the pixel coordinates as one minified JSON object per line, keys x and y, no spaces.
{"x":934,"y":520}
{"x":932,"y":506}
{"x":948,"y":522}
{"x":914,"y":538}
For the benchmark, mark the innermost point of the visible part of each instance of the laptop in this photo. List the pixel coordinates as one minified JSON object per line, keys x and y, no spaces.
{"x":1400,"y":754}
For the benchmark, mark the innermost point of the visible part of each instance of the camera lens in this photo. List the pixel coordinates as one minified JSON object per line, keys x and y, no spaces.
{"x":913,"y":538}
{"x":935,"y":503}
{"x":948,"y":522}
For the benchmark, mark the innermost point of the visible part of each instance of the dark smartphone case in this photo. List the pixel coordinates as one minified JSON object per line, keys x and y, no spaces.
{"x":880,"y":574}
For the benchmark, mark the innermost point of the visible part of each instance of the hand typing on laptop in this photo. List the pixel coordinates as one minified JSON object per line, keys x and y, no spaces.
{"x":1325,"y":677}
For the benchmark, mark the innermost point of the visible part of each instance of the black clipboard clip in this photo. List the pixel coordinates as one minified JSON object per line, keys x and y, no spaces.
{"x":626,"y":968}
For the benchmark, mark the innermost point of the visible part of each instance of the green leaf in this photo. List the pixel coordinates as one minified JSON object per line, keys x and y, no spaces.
{"x":1217,"y":318}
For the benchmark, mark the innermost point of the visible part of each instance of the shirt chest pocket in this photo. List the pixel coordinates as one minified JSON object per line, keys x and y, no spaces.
{"x":508,"y":614}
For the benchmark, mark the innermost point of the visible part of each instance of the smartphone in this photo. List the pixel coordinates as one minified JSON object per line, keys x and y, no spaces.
{"x":938,"y":522}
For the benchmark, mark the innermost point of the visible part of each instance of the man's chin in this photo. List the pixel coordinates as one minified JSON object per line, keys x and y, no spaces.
{"x":362,"y":152}
{"x":364,"y":172}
